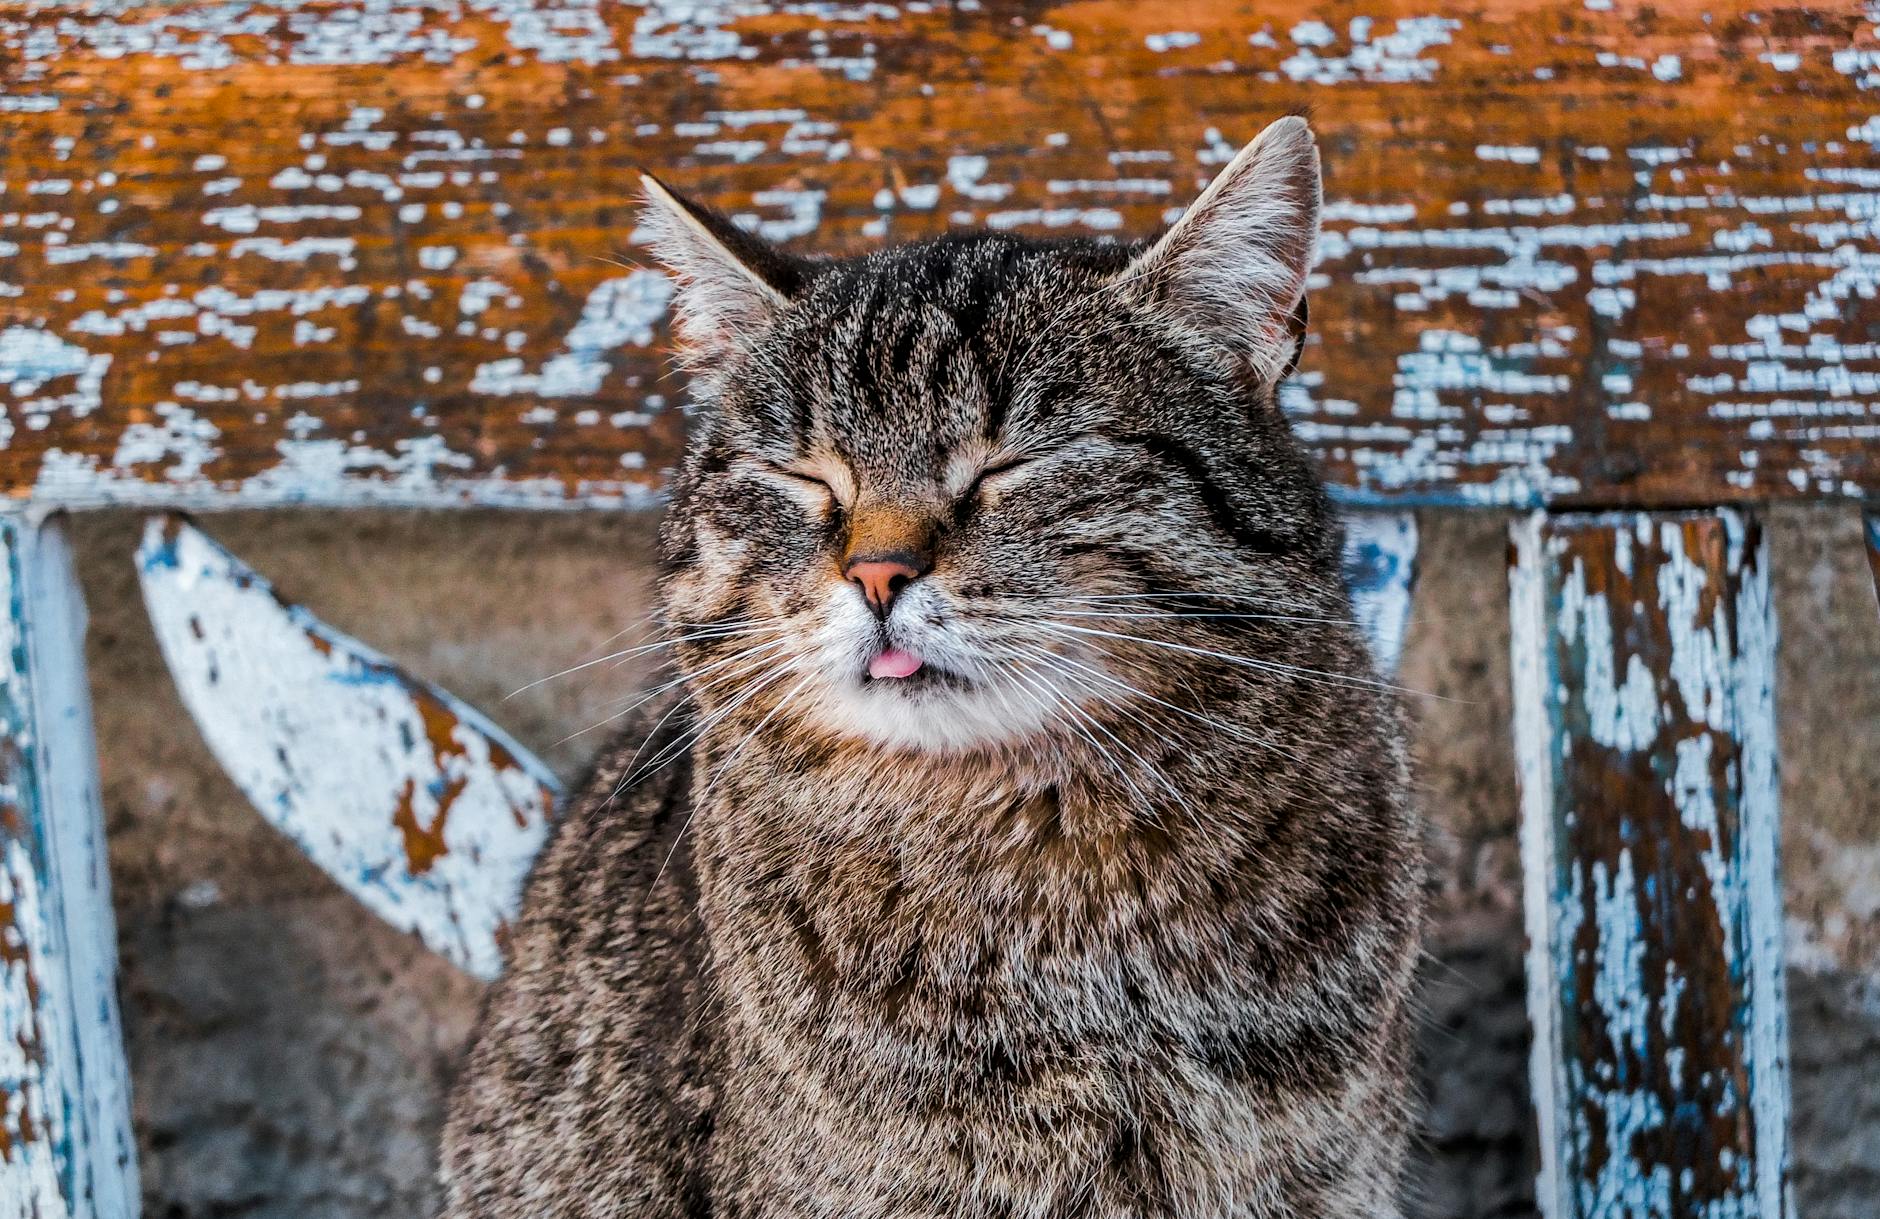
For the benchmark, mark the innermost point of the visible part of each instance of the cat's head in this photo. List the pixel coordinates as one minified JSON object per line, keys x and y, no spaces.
{"x":971,"y":491}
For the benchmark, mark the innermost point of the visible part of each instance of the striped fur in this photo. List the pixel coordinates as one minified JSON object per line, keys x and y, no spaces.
{"x":1111,"y":912}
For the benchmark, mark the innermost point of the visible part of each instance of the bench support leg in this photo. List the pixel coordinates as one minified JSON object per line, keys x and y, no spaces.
{"x":1644,"y":655}
{"x":65,"y":1136}
{"x":1871,"y":519}
{"x":1381,"y":569}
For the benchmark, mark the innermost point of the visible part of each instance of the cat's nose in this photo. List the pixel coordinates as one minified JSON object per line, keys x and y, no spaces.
{"x":881,"y":577}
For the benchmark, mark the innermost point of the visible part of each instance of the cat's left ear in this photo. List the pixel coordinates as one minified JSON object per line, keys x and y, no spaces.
{"x":1234,"y":267}
{"x":731,"y":284}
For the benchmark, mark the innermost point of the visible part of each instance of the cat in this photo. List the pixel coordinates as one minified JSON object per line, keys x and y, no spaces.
{"x":1032,"y":839}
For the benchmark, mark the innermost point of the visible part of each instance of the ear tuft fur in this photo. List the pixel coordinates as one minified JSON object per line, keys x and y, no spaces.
{"x":731,"y":284}
{"x":1234,"y":267}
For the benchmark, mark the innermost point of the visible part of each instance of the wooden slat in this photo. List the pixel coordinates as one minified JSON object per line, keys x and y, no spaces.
{"x":417,"y":804}
{"x":1872,"y":520}
{"x":65,"y":1135}
{"x":288,"y":252}
{"x":1381,"y":568}
{"x":1644,"y":649}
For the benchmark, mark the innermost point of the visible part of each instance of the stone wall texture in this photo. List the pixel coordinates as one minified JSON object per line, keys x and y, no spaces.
{"x":290,"y":1054}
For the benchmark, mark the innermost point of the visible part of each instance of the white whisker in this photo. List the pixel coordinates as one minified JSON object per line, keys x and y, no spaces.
{"x":711,"y":781}
{"x":1071,"y":706}
{"x":1197,"y":595}
{"x":649,"y":695}
{"x":1172,"y":615}
{"x":720,"y":631}
{"x":1153,"y":769}
{"x":1320,"y":676}
{"x":706,"y":724}
{"x":1210,"y":721}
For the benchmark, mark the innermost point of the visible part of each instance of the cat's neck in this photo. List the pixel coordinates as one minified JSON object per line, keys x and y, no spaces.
{"x":836,"y":780}
{"x":1084,"y":792}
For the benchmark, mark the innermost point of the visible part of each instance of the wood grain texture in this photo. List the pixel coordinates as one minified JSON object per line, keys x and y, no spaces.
{"x":336,"y":252}
{"x":66,"y":1150}
{"x":1644,"y":650}
{"x":413,"y":801}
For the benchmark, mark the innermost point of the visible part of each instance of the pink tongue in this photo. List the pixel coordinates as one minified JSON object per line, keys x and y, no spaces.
{"x":894,"y":663}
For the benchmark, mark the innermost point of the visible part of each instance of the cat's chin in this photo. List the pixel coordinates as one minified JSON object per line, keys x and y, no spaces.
{"x":933,"y":711}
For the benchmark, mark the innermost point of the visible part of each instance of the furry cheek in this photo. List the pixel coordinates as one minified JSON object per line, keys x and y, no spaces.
{"x":714,"y":584}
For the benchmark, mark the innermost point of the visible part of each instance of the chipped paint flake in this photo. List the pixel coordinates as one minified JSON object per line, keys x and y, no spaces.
{"x":41,"y":373}
{"x":618,"y":313}
{"x":1396,"y":57}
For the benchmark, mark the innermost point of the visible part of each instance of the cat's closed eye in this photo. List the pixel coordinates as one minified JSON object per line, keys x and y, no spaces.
{"x":994,"y":477}
{"x":813,"y":491}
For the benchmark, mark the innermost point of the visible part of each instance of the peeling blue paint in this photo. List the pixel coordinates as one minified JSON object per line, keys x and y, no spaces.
{"x":64,"y":1087}
{"x":1643,"y":651}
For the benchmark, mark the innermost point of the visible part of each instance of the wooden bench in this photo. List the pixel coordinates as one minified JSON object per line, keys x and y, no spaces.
{"x":1613,"y":264}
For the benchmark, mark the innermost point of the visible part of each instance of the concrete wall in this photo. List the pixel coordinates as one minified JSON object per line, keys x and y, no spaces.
{"x":290,"y":1053}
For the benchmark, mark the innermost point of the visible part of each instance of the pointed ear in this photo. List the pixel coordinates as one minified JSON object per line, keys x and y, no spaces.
{"x":1234,"y":267}
{"x":731,"y":284}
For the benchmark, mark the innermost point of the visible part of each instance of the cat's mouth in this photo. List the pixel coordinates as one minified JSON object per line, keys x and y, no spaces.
{"x":901,"y":669}
{"x":920,"y":689}
{"x":894,"y":664}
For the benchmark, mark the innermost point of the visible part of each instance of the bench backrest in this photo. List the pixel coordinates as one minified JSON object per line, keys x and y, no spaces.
{"x":1614,"y":264}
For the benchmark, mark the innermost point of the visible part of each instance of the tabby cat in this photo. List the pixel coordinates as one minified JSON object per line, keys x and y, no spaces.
{"x":1032,"y":838}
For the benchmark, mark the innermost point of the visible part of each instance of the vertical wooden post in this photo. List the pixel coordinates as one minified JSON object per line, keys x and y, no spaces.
{"x":1644,"y":650}
{"x":1381,"y":570}
{"x":65,"y":1135}
{"x":1871,"y":518}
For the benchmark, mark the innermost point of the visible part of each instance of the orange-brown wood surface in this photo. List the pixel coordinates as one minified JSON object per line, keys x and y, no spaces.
{"x":383,"y":249}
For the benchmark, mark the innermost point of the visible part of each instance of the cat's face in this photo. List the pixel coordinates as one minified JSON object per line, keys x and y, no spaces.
{"x":952,"y":495}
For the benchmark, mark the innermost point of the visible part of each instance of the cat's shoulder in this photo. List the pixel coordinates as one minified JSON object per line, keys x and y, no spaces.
{"x":620,"y":831}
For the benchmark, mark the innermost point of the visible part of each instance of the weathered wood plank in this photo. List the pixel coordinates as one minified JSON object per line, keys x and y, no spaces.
{"x":65,"y":1136}
{"x":284,"y":251}
{"x":1872,"y":517}
{"x":1381,"y":568}
{"x":416,"y":803}
{"x":1644,"y":648}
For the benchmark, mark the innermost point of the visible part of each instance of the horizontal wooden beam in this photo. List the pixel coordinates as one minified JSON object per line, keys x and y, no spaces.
{"x":1644,"y":661}
{"x":266,"y":252}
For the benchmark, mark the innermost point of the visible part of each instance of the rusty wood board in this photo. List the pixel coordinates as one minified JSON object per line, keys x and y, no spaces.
{"x":413,"y":801}
{"x":66,"y":1150}
{"x":1644,"y":650}
{"x":263,"y":253}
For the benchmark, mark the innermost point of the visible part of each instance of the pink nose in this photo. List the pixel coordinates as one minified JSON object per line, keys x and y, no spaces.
{"x":881,"y":578}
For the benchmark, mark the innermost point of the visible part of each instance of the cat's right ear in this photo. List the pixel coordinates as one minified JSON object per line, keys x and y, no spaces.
{"x":1233,"y":269}
{"x":731,"y":284}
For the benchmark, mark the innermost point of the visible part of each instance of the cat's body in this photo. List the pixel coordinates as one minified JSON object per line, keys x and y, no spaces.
{"x":1107,"y":909}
